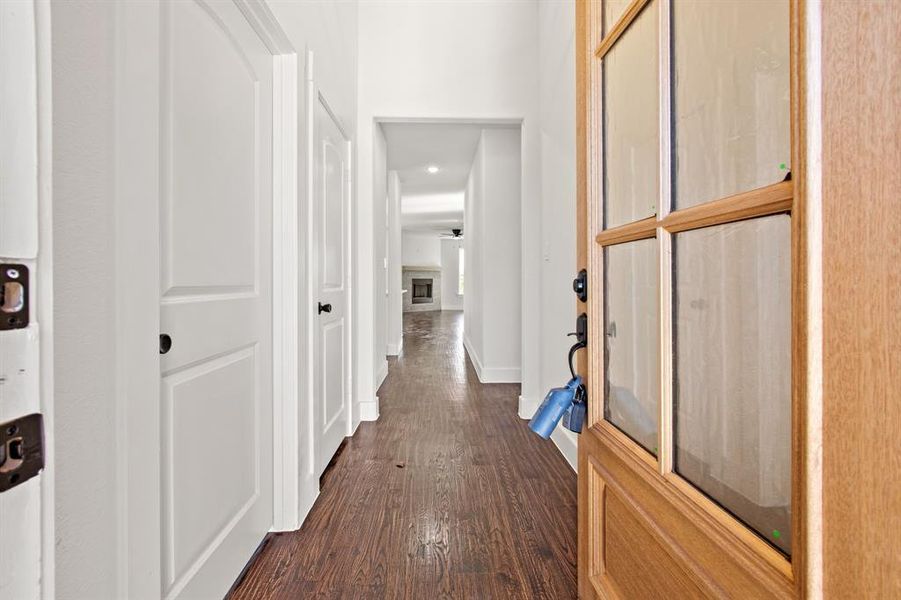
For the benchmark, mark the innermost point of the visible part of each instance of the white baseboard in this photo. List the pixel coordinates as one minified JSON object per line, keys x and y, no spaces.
{"x":567,"y":443}
{"x":488,"y":374}
{"x":500,"y":375}
{"x":381,"y":375}
{"x":395,"y":349}
{"x":527,"y":407}
{"x":476,"y":362}
{"x":309,"y":491}
{"x":308,"y":495}
{"x":369,"y":411}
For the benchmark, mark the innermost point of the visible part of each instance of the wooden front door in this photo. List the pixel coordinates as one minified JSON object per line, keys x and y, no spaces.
{"x":691,"y":474}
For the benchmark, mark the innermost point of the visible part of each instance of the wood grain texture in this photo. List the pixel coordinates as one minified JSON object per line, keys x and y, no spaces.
{"x":764,"y":201}
{"x":620,"y":27}
{"x":447,"y":495}
{"x":589,"y":28}
{"x":723,"y":558}
{"x":806,"y":375}
{"x":720,"y":555}
{"x":630,"y":232}
{"x":861,"y":196}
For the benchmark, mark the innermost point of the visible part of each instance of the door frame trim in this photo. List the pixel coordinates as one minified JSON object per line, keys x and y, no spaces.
{"x":285,"y":297}
{"x":287,"y":514}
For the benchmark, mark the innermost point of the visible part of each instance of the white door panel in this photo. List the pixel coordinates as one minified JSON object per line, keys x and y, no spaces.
{"x":332,"y":373}
{"x":215,"y":296}
{"x":330,"y":243}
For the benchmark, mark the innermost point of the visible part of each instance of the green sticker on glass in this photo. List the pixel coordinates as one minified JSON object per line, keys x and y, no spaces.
{"x":777,"y":534}
{"x":782,"y":166}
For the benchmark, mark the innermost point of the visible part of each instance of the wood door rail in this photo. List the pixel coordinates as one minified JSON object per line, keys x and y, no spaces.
{"x":768,"y":200}
{"x":630,"y":232}
{"x":623,"y":23}
{"x":772,"y":199}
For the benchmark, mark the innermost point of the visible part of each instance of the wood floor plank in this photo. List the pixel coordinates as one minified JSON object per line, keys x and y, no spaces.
{"x":447,"y":495}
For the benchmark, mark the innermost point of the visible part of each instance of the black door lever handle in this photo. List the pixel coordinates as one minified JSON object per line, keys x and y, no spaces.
{"x":327,"y":308}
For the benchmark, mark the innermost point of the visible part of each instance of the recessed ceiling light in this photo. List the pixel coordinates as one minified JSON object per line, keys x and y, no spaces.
{"x":432,"y":169}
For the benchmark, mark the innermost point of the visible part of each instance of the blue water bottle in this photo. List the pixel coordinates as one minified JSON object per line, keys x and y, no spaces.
{"x":554,"y":406}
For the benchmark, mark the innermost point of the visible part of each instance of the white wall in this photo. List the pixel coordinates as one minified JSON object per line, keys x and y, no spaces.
{"x":557,"y":109}
{"x":84,"y":255}
{"x":493,"y":324}
{"x":502,"y":264}
{"x":444,"y":210}
{"x":473,"y":299}
{"x":445,"y":59}
{"x":450,"y":273}
{"x":90,"y":533}
{"x":420,"y":249}
{"x":380,"y":254}
{"x":395,"y":333}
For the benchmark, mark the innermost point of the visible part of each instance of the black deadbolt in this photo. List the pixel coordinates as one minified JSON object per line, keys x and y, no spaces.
{"x":327,"y":308}
{"x":165,"y":343}
{"x":580,"y":285}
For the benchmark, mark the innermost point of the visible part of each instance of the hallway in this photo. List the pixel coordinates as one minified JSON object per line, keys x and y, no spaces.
{"x":447,"y":495}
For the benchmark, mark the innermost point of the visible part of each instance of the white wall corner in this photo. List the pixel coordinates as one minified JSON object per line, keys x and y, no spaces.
{"x":476,"y":361}
{"x":527,"y":407}
{"x":568,"y":445}
{"x":381,"y":375}
{"x":489,"y":374}
{"x":369,"y":411}
{"x":500,"y":375}
{"x":566,"y":442}
{"x":309,"y":492}
{"x":394,"y":349}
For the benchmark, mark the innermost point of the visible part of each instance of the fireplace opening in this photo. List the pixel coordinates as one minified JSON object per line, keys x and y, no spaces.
{"x":422,"y":291}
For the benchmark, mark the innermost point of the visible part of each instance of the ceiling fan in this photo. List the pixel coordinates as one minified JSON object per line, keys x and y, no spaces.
{"x":455,"y":234}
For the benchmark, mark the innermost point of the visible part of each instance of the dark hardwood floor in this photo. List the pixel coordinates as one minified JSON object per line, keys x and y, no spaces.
{"x":447,"y":495}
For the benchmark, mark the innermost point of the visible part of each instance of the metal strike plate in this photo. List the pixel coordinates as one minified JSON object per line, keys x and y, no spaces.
{"x":14,"y":301}
{"x":21,"y":450}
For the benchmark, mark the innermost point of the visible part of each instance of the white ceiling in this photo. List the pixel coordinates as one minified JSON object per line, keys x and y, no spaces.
{"x":432,"y":202}
{"x":412,"y":147}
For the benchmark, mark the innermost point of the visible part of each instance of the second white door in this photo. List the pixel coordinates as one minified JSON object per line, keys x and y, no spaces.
{"x":331,"y":266}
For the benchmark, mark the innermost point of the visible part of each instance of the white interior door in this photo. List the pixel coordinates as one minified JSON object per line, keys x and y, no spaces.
{"x":330,"y":214}
{"x":215,"y":296}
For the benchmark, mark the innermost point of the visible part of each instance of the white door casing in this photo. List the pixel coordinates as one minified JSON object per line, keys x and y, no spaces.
{"x":330,"y":263}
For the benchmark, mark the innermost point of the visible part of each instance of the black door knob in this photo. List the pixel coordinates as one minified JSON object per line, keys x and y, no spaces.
{"x":165,"y":343}
{"x":327,"y":308}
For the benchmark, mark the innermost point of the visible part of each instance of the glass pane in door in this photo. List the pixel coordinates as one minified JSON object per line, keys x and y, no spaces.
{"x":732,"y":369}
{"x":613,"y":10}
{"x":631,"y":128}
{"x":730,"y":79}
{"x":631,"y":328}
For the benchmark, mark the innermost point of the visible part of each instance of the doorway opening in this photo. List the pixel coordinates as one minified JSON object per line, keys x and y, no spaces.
{"x":450,"y":195}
